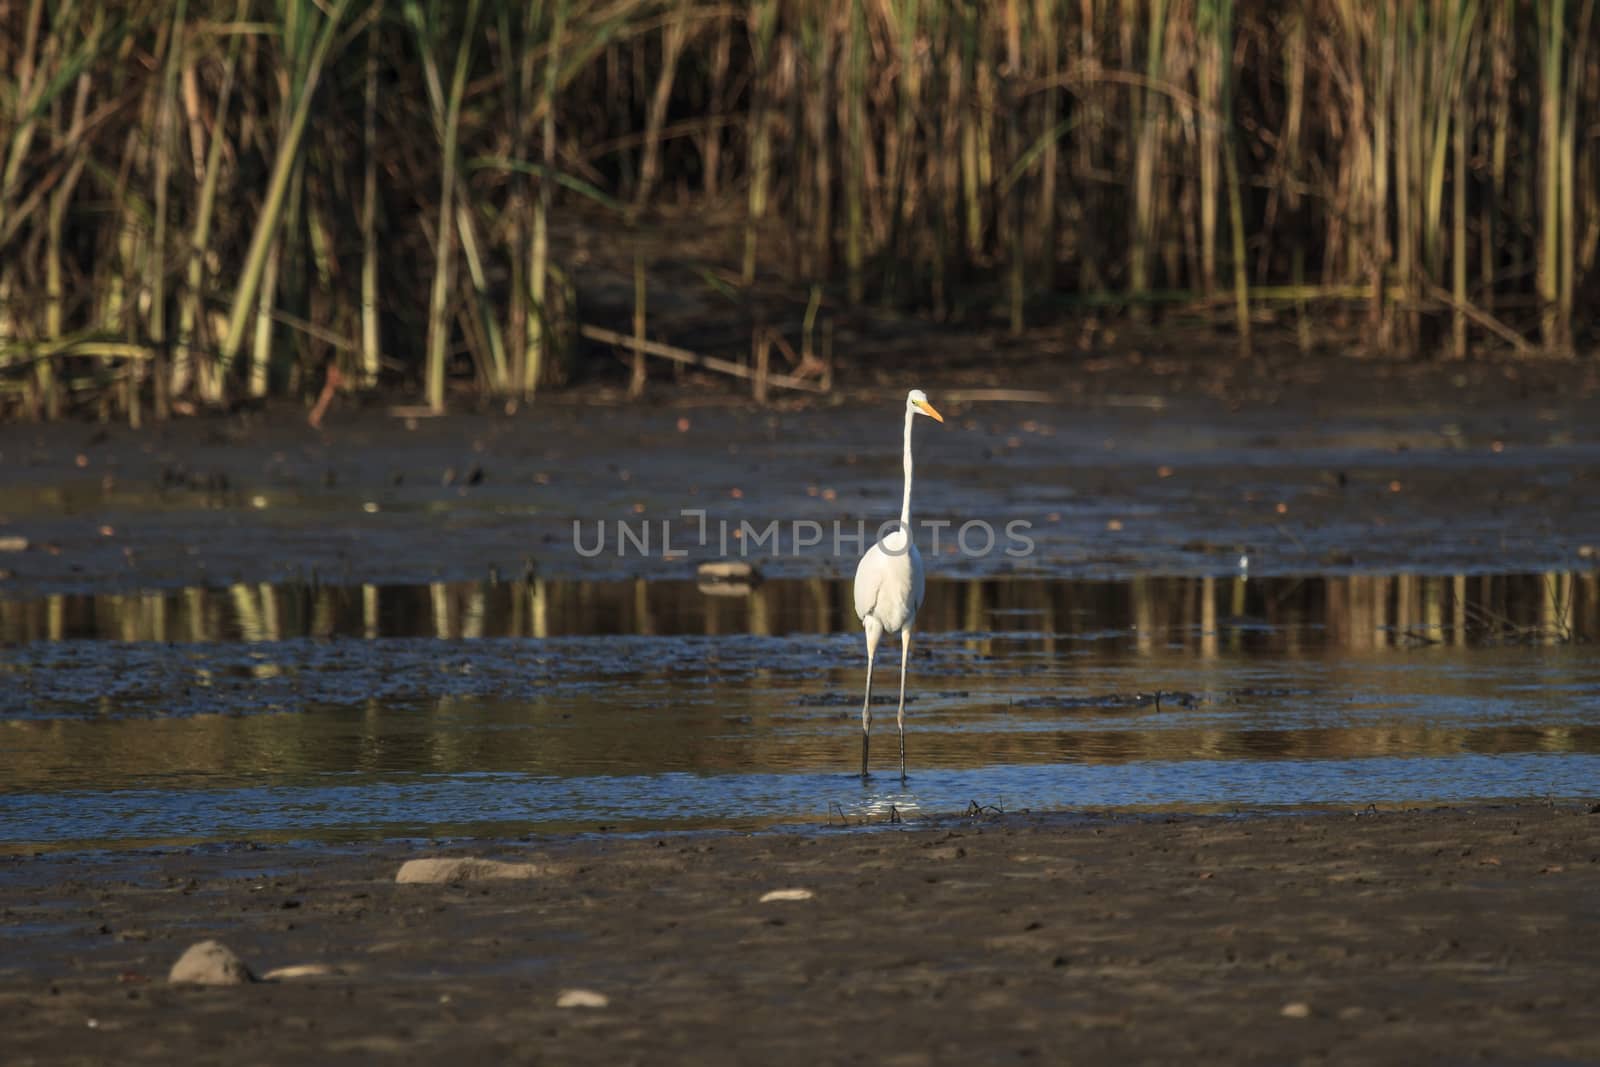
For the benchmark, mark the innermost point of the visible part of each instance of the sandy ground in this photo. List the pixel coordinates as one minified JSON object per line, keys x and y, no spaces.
{"x":1398,"y":937}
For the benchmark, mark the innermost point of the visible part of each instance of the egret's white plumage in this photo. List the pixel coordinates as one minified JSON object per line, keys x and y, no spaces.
{"x":888,"y":590}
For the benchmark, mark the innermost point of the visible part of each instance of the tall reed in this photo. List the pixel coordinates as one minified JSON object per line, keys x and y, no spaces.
{"x":214,"y":198}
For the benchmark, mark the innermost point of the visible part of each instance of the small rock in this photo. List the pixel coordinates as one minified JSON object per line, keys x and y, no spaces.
{"x":12,"y":543}
{"x":786,"y":894}
{"x":582,"y":998}
{"x":437,"y":871}
{"x":1296,"y":1009}
{"x":210,"y":963}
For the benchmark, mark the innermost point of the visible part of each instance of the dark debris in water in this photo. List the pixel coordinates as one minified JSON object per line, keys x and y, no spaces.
{"x":836,"y":699}
{"x":1160,"y":699}
{"x":839,"y":700}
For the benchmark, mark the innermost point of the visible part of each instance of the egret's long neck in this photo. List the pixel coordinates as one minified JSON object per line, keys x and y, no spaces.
{"x":905,"y":508}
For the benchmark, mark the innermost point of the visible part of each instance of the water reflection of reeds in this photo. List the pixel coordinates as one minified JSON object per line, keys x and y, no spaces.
{"x":242,"y":687}
{"x":1203,"y":615}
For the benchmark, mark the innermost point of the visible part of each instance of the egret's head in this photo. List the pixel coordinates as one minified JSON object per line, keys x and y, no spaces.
{"x":917,"y":400}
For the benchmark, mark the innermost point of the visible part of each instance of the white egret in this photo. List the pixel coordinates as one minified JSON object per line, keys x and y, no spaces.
{"x":889,"y":590}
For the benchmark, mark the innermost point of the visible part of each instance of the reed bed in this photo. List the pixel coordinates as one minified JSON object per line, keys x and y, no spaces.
{"x":222,"y":199}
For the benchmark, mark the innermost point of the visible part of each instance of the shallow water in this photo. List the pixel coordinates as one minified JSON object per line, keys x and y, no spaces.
{"x":273,"y":712}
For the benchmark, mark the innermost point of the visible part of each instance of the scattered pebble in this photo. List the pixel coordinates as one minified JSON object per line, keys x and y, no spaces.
{"x":439,"y":870}
{"x":13,"y":543}
{"x":1296,"y":1009}
{"x":582,"y":998}
{"x":210,"y":963}
{"x":786,"y":894}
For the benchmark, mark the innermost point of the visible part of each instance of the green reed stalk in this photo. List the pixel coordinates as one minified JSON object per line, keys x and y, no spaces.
{"x":191,"y":306}
{"x":1458,"y":240}
{"x":1011,"y":201}
{"x":1502,"y":45}
{"x":283,"y":165}
{"x":444,"y":236}
{"x":763,"y":24}
{"x":1147,"y":130}
{"x":539,"y":334}
{"x":1093,"y":134}
{"x":370,"y":329}
{"x":29,"y":95}
{"x":1552,"y":32}
{"x":1048,"y":24}
{"x":1382,"y":44}
{"x":672,"y":42}
{"x":165,"y":149}
{"x":1213,"y":47}
{"x":497,"y":372}
{"x":1567,"y":179}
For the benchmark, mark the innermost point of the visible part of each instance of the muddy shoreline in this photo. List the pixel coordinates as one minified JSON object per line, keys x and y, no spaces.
{"x":1395,"y":936}
{"x":1401,"y":936}
{"x":1146,"y":463}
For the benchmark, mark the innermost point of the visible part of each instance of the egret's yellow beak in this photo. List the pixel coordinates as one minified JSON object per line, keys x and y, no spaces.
{"x":927,"y":409}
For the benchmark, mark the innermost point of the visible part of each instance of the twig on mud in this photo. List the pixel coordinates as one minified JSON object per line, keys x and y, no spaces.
{"x":976,"y":810}
{"x":833,"y":806}
{"x":693,"y":359}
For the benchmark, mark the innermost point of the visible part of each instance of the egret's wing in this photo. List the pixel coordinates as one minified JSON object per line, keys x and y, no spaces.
{"x":869,"y":580}
{"x":917,"y":582}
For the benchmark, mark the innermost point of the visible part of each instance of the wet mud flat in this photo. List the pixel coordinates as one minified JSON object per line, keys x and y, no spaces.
{"x":1397,"y":936}
{"x":1127,"y":465}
